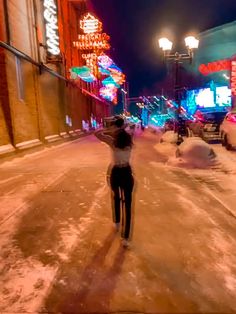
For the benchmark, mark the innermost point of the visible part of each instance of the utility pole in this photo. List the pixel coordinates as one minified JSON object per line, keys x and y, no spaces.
{"x":177,"y":100}
{"x":125,"y":93}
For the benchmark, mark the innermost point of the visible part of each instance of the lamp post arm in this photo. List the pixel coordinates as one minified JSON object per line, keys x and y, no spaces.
{"x":179,"y":57}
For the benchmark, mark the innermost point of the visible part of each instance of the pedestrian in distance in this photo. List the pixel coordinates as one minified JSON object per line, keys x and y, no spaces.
{"x":121,"y":177}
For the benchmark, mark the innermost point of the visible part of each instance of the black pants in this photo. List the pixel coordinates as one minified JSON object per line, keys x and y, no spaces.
{"x":122,"y":184}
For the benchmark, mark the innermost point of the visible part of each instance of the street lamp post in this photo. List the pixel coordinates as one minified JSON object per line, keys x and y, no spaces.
{"x":166,"y":45}
{"x":124,"y":99}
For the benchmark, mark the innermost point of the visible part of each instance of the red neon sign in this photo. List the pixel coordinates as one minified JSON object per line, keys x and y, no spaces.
{"x":233,"y":77}
{"x":216,"y":66}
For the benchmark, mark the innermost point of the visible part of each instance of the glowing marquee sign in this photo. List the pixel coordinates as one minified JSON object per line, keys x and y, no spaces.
{"x":92,"y":37}
{"x":93,"y":42}
{"x":50,"y":15}
{"x":233,"y":77}
{"x":216,"y":66}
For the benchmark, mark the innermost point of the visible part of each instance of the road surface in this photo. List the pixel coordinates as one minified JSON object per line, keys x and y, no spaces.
{"x":60,"y":254}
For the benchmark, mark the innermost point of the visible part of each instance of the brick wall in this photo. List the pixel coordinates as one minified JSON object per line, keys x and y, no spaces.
{"x":6,"y":133}
{"x":21,"y":74}
{"x":34,"y":105}
{"x":40,"y":112}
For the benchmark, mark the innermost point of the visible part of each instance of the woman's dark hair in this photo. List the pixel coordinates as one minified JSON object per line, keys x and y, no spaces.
{"x":122,"y":139}
{"x":119,"y":122}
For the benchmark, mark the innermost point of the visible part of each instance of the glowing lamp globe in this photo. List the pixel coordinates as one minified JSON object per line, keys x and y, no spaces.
{"x":191,"y":42}
{"x":165,"y":44}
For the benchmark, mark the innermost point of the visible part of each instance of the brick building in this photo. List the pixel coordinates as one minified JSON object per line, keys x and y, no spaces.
{"x":38,"y":101}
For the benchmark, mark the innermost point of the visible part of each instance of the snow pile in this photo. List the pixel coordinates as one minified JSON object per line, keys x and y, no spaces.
{"x":226,"y":159}
{"x":169,"y":137}
{"x":154,"y":129}
{"x":194,"y":153}
{"x":166,"y":149}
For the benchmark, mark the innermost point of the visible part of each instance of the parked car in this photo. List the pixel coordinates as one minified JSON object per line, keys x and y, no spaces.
{"x":208,"y":128}
{"x":194,"y":128}
{"x":228,"y":130}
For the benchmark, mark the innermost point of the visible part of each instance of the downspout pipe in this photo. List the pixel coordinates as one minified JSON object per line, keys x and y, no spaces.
{"x":7,"y":25}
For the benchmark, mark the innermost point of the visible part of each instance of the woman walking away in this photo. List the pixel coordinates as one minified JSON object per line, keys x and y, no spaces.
{"x":121,"y":179}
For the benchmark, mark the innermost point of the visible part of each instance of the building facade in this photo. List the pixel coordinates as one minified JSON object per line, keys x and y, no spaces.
{"x":215,"y":59}
{"x":38,"y":100}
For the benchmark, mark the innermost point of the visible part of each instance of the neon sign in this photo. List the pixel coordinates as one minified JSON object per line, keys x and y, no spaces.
{"x":104,"y":61}
{"x":233,"y":77}
{"x":84,"y":73}
{"x":93,"y":38}
{"x":90,"y":24}
{"x":93,"y":42}
{"x":91,"y":61}
{"x":117,"y":75}
{"x":50,"y":15}
{"x":216,"y":66}
{"x":109,"y":93}
{"x":109,"y":81}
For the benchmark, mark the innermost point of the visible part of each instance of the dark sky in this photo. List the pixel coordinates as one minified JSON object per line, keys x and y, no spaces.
{"x":136,"y":25}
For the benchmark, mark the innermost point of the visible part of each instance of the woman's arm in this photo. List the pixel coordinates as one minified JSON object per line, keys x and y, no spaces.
{"x":103,"y":135}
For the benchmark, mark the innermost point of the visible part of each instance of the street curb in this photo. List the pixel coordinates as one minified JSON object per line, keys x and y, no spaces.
{"x":27,"y":150}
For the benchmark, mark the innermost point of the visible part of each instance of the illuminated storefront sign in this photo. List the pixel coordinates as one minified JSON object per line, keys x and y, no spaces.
{"x":117,"y":75}
{"x":104,"y":61}
{"x":221,"y":65}
{"x":91,"y":61}
{"x":109,"y":93}
{"x":50,"y":15}
{"x":92,"y":37}
{"x":89,"y":55}
{"x":109,"y":81}
{"x":84,"y":73}
{"x":92,"y":42}
{"x":233,"y":77}
{"x":216,"y":66}
{"x":90,"y":24}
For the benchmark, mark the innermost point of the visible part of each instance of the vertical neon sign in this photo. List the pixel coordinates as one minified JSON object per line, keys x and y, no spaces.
{"x":233,"y":77}
{"x":52,"y":35}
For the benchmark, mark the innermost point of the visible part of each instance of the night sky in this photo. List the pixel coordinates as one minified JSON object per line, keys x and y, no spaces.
{"x":136,"y":25}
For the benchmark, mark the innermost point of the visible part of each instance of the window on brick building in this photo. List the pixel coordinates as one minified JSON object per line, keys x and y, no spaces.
{"x":20,"y":79}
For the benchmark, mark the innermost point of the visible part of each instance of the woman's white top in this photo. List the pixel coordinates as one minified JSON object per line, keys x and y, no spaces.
{"x":120,"y":157}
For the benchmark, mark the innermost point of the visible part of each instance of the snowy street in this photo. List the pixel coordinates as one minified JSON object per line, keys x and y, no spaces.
{"x":60,"y":254}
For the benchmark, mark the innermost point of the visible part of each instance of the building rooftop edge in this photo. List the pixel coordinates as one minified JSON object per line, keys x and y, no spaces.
{"x":217,"y":28}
